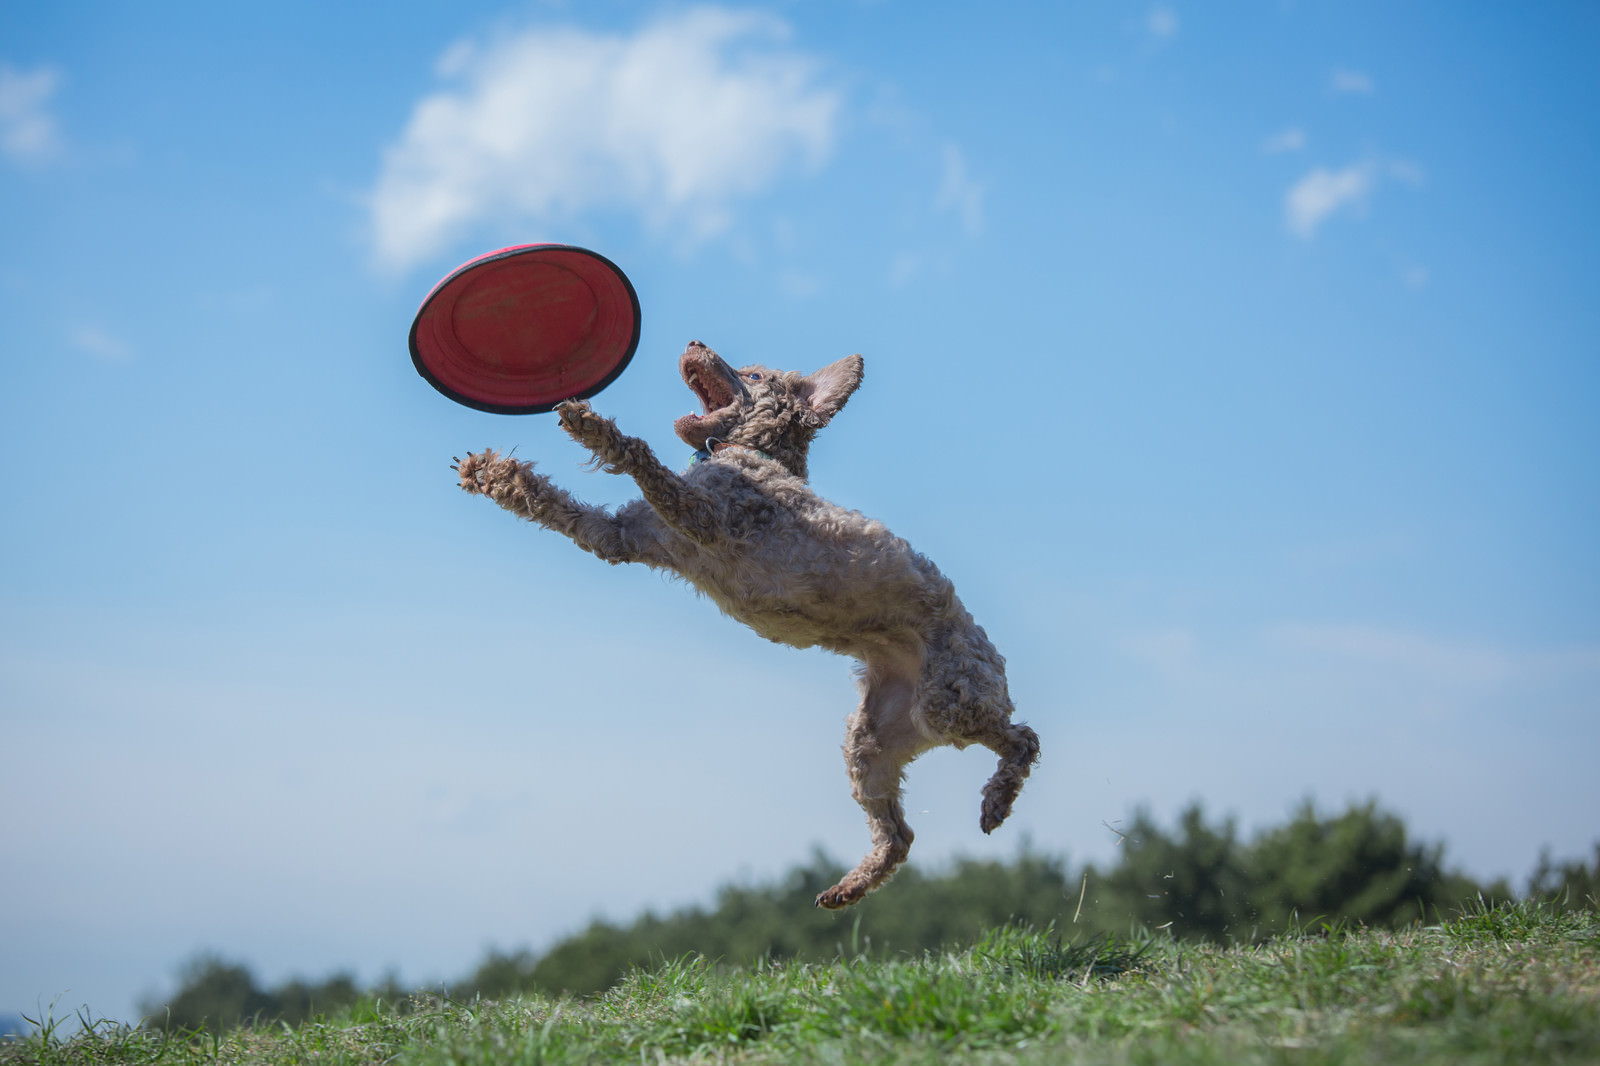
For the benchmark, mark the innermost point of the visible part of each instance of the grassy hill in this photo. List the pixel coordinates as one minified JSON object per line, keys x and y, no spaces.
{"x":1517,"y":983}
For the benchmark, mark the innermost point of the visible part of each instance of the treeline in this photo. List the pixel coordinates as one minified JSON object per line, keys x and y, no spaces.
{"x":1197,"y":881}
{"x":216,"y":994}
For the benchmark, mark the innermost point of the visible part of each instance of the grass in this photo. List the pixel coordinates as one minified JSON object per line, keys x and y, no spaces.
{"x":1514,"y":983}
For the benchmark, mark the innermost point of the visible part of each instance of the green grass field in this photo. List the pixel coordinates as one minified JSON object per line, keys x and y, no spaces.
{"x":1517,"y":983}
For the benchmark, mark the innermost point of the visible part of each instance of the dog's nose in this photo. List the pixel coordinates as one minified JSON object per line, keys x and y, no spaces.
{"x":696,"y":344}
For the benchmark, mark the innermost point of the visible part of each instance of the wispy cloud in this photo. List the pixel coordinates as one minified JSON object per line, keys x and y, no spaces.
{"x":798,"y":284}
{"x":1169,"y":651}
{"x":676,"y":123}
{"x":959,"y":193}
{"x":95,"y":341}
{"x":1439,"y":660}
{"x":1322,"y":192}
{"x":28,"y":131}
{"x":1292,"y":139}
{"x":904,"y":268}
{"x":1352,"y":82}
{"x":1404,"y":170}
{"x":1162,"y":22}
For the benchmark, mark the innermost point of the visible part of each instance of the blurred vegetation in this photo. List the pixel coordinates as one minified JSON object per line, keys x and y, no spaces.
{"x":218,"y":995}
{"x":1359,"y":868}
{"x":1198,"y":882}
{"x":1570,"y":885}
{"x":1508,"y":982}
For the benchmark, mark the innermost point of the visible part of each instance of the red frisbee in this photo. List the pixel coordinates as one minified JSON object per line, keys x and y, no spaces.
{"x":517,"y":331}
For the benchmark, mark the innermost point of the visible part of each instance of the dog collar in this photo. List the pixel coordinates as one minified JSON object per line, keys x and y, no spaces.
{"x":715,"y":446}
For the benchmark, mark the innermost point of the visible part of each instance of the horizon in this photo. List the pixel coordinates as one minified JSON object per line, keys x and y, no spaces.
{"x":947,"y":866}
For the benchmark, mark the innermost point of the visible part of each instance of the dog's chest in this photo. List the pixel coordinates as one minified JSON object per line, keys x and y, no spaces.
{"x":807,"y":572}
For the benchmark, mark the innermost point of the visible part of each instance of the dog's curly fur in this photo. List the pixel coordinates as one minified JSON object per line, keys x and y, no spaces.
{"x":743,"y":526}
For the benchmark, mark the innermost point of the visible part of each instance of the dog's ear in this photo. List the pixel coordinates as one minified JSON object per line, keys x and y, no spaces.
{"x":826,"y":391}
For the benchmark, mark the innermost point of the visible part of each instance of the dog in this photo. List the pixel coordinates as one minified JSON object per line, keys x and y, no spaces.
{"x":743,"y":526}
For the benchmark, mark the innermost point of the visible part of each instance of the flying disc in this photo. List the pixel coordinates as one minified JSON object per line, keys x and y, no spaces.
{"x":519,"y":330}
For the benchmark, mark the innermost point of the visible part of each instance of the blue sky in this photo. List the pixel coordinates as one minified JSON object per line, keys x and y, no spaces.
{"x":1240,"y":365}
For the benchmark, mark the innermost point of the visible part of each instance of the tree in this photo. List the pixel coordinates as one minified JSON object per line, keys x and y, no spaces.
{"x":1358,"y":866}
{"x":217,"y":995}
{"x":1198,"y":881}
{"x":212,"y":993}
{"x":915,"y":912}
{"x":1571,"y":885}
{"x":1193,"y":882}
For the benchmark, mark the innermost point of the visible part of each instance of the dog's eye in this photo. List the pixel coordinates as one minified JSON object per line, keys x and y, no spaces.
{"x":753,"y":377}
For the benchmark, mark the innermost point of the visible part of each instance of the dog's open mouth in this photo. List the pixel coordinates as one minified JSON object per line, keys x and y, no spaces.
{"x":711,"y":388}
{"x":719,"y":397}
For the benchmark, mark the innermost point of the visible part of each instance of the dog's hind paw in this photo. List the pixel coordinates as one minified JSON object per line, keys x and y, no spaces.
{"x":840,"y":896}
{"x":997,"y":805}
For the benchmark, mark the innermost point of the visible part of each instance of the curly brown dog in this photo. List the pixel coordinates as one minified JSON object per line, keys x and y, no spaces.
{"x":743,"y":526}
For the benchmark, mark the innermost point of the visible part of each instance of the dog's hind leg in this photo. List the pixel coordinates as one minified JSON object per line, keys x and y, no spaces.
{"x":965,"y":701}
{"x":1018,"y":748}
{"x":882,"y":738}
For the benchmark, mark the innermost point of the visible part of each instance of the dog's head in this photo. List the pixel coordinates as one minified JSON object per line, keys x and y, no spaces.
{"x":774,"y":411}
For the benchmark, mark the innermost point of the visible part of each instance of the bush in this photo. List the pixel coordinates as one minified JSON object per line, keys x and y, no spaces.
{"x":1569,"y":886}
{"x":217,"y":995}
{"x":1358,"y":867}
{"x":1193,"y":883}
{"x":915,"y":913}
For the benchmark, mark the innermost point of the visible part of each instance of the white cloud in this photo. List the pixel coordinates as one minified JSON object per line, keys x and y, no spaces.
{"x":1162,"y":22}
{"x":1352,"y":82}
{"x":1292,"y":139}
{"x":676,"y":123}
{"x":1322,"y":192}
{"x":28,"y":132}
{"x":959,"y":193}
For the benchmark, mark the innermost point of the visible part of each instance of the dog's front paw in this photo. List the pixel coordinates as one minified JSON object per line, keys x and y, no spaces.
{"x":576,"y":416}
{"x":600,"y":435}
{"x":472,"y":470}
{"x":488,"y":473}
